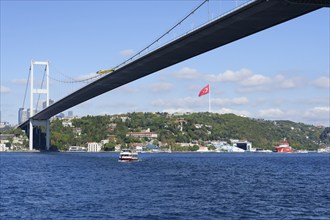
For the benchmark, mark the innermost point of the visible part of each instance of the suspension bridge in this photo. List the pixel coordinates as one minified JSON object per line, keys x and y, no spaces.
{"x":247,"y":19}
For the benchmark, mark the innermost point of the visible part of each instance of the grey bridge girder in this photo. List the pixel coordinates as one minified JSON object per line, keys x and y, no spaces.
{"x":249,"y":19}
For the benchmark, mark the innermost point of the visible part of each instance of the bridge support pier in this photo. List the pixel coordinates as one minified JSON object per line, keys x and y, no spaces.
{"x":40,"y":123}
{"x":33,"y":122}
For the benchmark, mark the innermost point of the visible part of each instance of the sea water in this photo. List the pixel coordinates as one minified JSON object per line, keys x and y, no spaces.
{"x":165,"y":186}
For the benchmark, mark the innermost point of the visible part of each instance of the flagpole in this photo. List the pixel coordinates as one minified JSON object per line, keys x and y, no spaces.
{"x":209,"y":98}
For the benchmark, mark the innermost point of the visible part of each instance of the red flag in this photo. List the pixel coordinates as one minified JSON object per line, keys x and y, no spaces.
{"x":204,"y":91}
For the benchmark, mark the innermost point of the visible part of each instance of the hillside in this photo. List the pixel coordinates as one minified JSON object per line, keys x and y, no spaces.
{"x":187,"y":128}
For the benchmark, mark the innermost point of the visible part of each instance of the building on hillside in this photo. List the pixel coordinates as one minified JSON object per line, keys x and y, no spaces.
{"x":112,"y":128}
{"x":180,"y":121}
{"x":77,"y":131}
{"x":93,"y":147}
{"x":143,"y":134}
{"x":124,"y":118}
{"x":106,"y":141}
{"x":4,"y":124}
{"x":67,"y":124}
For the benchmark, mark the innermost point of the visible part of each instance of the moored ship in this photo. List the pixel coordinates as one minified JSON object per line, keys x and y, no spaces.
{"x":283,"y":147}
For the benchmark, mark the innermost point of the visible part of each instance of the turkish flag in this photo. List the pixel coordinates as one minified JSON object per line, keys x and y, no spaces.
{"x":204,"y":91}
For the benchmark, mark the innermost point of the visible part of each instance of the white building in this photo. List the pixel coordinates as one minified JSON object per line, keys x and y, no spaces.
{"x":103,"y":142}
{"x":67,"y":124}
{"x":3,"y":147}
{"x":142,"y":134}
{"x":244,"y":145}
{"x":77,"y":148}
{"x":93,"y":147}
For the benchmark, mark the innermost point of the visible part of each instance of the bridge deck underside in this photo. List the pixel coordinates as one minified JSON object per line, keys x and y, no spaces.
{"x":247,"y":20}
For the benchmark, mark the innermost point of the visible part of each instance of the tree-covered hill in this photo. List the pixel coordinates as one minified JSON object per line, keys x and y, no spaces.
{"x":186,"y":128}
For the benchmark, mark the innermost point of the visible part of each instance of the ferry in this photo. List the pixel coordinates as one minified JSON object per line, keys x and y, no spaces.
{"x":283,"y":147}
{"x":128,"y":156}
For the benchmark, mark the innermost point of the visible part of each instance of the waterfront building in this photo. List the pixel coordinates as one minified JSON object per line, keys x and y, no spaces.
{"x":77,"y":149}
{"x":93,"y":147}
{"x":3,"y":147}
{"x":244,"y":145}
{"x":324,"y":150}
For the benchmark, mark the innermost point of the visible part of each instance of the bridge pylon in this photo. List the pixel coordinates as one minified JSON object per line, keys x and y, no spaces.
{"x":32,"y":122}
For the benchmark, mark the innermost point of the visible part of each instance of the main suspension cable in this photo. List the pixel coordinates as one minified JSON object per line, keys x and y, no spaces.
{"x":26,"y":87}
{"x":159,"y":38}
{"x":134,"y":56}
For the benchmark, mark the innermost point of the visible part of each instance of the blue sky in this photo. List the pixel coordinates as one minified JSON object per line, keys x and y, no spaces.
{"x":281,"y":73}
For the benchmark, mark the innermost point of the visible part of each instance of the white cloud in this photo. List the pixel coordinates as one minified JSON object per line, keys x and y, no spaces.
{"x":86,"y":77}
{"x":233,"y":111}
{"x":186,"y":73}
{"x":318,"y":113}
{"x":4,"y":89}
{"x":127,"y":52}
{"x":128,"y":88}
{"x":234,"y":101}
{"x":255,"y":80}
{"x":271,"y":113}
{"x":197,"y":102}
{"x":174,"y":110}
{"x":178,"y":103}
{"x":322,"y":82}
{"x":161,"y":87}
{"x":281,"y":82}
{"x":250,"y":82}
{"x":229,"y":76}
{"x":19,"y":81}
{"x":317,"y":116}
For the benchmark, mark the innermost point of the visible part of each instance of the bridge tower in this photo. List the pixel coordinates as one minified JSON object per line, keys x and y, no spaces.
{"x":32,"y":122}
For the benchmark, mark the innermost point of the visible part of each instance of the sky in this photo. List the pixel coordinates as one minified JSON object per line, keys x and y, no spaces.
{"x":281,"y":73}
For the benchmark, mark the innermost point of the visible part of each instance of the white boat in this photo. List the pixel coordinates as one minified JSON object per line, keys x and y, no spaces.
{"x":128,"y":156}
{"x":302,"y":151}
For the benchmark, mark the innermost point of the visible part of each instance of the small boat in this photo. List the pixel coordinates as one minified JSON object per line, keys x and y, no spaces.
{"x":283,"y":147}
{"x":302,"y":151}
{"x":128,"y":156}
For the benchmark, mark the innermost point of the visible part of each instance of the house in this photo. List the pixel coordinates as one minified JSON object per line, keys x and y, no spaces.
{"x":143,"y":134}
